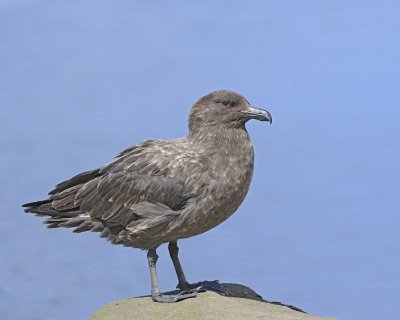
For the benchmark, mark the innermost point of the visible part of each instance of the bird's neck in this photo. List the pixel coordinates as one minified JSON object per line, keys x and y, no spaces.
{"x":218,"y":135}
{"x":224,"y":148}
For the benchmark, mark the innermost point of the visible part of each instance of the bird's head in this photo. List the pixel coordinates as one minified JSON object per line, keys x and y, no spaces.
{"x":224,"y":108}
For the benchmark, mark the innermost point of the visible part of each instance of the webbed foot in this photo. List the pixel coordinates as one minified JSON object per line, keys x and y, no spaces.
{"x":170,"y":298}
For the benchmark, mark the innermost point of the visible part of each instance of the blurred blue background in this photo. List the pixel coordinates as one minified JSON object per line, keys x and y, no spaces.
{"x":82,"y":80}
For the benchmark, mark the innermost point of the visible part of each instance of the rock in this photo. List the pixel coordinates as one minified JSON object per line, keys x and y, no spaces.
{"x":239,"y":302}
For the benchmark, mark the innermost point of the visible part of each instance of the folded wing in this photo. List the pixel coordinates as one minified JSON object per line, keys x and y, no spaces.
{"x":134,"y":197}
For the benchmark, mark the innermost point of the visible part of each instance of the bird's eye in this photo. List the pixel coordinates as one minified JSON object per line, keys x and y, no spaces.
{"x":225,"y":103}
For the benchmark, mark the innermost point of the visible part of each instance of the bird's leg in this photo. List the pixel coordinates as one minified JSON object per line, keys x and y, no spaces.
{"x":173,"y":252}
{"x":152,"y":258}
{"x":182,"y":282}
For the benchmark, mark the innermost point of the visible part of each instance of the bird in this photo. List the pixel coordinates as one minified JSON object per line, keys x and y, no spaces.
{"x":162,"y":191}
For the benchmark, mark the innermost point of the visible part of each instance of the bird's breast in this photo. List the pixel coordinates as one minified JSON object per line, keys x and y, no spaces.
{"x":234,"y":180}
{"x":231,"y":170}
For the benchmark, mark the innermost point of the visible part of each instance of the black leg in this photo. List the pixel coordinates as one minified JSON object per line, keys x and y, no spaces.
{"x":182,"y":282}
{"x":173,"y":252}
{"x":152,"y":258}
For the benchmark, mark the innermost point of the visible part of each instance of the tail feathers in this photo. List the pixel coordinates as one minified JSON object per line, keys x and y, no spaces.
{"x":63,"y":218}
{"x":45,"y":208}
{"x":35,"y":204}
{"x":81,"y":223}
{"x":75,"y":219}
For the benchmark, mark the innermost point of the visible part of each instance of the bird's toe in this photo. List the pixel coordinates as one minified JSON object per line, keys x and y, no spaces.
{"x":171,"y":298}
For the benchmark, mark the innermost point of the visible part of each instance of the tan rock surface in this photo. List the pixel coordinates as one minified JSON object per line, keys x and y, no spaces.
{"x":206,"y":306}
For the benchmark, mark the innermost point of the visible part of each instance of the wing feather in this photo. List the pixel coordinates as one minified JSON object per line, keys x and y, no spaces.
{"x":137,"y":195}
{"x":140,"y":186}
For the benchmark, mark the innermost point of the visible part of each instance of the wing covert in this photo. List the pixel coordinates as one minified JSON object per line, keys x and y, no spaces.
{"x":143,"y":183}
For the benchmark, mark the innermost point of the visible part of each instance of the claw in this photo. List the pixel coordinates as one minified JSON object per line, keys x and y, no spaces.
{"x":170,"y":298}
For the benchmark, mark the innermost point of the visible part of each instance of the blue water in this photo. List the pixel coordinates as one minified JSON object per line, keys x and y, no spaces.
{"x":82,"y":80}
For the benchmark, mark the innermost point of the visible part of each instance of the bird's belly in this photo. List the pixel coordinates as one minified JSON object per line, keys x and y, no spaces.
{"x":225,"y":207}
{"x":210,"y":211}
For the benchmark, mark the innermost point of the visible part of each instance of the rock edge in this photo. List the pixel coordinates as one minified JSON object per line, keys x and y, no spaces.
{"x":206,"y":306}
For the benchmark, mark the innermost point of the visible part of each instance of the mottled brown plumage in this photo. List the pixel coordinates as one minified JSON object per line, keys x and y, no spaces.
{"x":163,"y":190}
